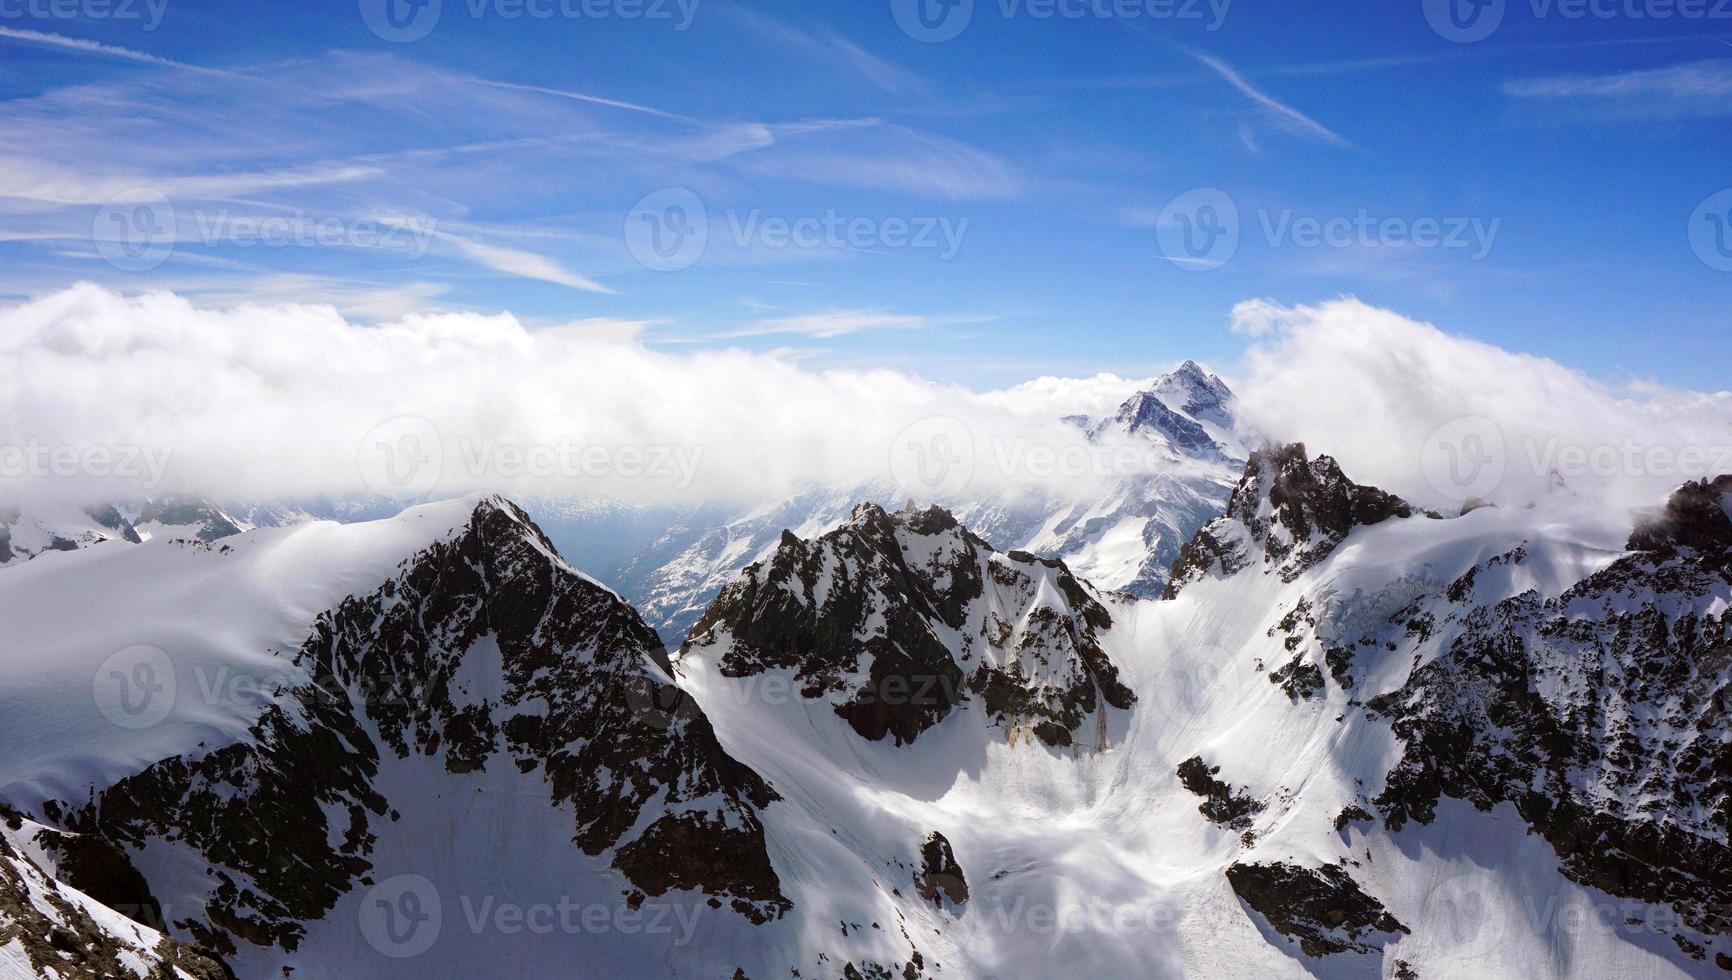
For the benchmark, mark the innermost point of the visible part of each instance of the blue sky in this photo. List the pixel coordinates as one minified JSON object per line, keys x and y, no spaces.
{"x":1005,"y":203}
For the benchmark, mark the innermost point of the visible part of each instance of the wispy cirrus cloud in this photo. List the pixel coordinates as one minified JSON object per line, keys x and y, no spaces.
{"x":831,"y":48}
{"x":82,"y":46}
{"x":346,"y":138}
{"x":518,"y":262}
{"x":1694,"y":89}
{"x":1283,"y":115}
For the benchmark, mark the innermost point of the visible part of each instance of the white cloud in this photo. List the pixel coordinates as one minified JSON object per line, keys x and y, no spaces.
{"x":1695,"y":89}
{"x":1049,"y":397}
{"x":1373,"y":388}
{"x":97,"y":48}
{"x":276,"y":399}
{"x":1284,"y":115}
{"x":837,"y":323}
{"x":520,"y":263}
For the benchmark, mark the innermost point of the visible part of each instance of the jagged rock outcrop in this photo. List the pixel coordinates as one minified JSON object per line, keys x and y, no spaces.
{"x":485,"y":650}
{"x":1323,"y":909}
{"x":940,"y":877}
{"x":1146,"y":412}
{"x":50,"y":929}
{"x":1601,"y":715}
{"x":896,"y":619}
{"x":1289,"y":512}
{"x":1224,"y":806}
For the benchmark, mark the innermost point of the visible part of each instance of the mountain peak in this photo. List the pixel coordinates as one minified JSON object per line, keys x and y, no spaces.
{"x":1698,"y":516}
{"x":1147,"y":411}
{"x":859,"y":613}
{"x":1197,"y":393}
{"x":1294,"y":508}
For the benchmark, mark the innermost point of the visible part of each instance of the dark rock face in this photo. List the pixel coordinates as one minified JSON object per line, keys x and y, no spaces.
{"x":1694,"y":522}
{"x":107,"y":516}
{"x":61,"y":938}
{"x":899,"y":599}
{"x":1205,"y":396}
{"x":100,"y":869}
{"x":580,"y":698}
{"x":1601,"y":715}
{"x":207,"y":519}
{"x":939,"y":874}
{"x":1221,"y":804}
{"x":1295,"y":511}
{"x":1323,"y":909}
{"x":1144,"y":411}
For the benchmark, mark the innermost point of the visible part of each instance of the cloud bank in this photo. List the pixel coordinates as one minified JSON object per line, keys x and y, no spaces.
{"x":294,"y":400}
{"x":285,"y":401}
{"x":1441,"y":418}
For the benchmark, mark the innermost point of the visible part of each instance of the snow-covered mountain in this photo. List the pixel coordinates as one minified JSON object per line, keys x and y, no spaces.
{"x":1123,"y":535}
{"x":31,"y":529}
{"x":1353,"y":739}
{"x":287,"y":721}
